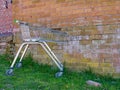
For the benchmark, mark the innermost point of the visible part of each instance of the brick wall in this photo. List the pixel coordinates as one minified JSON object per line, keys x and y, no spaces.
{"x":93,"y":27}
{"x":5,"y":24}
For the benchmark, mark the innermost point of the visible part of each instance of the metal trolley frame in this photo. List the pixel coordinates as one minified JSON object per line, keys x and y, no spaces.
{"x":25,"y":30}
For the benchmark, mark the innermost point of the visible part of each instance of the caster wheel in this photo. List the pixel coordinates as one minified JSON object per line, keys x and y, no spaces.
{"x":19,"y":65}
{"x":9,"y":72}
{"x":58,"y":74}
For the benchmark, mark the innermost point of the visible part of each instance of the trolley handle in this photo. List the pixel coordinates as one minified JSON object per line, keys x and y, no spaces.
{"x":21,"y":22}
{"x":57,"y":32}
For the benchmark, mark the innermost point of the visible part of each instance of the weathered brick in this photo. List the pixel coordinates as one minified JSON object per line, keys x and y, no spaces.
{"x":105,"y":55}
{"x":109,"y":70}
{"x":96,"y":37}
{"x":92,"y":28}
{"x":106,"y":65}
{"x":85,"y":42}
{"x":93,"y":64}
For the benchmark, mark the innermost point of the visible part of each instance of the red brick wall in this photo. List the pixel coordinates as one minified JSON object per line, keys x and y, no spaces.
{"x":65,"y":13}
{"x":5,"y":18}
{"x":93,"y":26}
{"x":5,"y":25}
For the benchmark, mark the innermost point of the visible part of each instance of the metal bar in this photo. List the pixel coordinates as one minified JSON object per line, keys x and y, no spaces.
{"x":52,"y":53}
{"x":53,"y":57}
{"x":59,"y":66}
{"x":26,"y":47}
{"x":17,"y":55}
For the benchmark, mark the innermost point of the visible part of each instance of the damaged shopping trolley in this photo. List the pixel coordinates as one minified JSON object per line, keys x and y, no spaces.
{"x":37,"y":35}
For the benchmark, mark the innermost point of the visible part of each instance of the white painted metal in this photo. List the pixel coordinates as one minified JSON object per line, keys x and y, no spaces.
{"x":26,"y":47}
{"x":28,"y":40}
{"x":19,"y":50}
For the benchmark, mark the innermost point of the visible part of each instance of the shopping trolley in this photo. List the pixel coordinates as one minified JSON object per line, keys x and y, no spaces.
{"x":40,"y":38}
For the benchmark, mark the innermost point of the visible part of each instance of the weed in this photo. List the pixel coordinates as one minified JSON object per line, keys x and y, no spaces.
{"x":33,"y":76}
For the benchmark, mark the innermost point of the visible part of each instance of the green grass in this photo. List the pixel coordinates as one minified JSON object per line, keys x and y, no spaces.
{"x":41,"y":77}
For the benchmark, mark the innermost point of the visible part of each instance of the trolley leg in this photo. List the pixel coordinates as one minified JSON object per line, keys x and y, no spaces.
{"x":54,"y":58}
{"x":46,"y":45}
{"x":19,"y":64}
{"x":50,"y":56}
{"x":12,"y":65}
{"x":58,"y":65}
{"x":10,"y":70}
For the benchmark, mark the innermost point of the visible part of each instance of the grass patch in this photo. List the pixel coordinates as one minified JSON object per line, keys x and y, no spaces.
{"x":41,"y":77}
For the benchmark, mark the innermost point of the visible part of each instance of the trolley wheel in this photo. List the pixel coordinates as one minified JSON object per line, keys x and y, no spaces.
{"x":19,"y":65}
{"x":9,"y":72}
{"x":58,"y":74}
